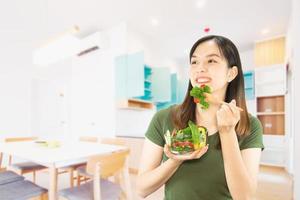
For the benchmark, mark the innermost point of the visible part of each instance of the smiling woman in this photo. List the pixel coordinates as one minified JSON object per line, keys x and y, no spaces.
{"x":229,"y":167}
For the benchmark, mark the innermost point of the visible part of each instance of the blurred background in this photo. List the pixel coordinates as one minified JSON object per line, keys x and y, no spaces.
{"x":103,"y":68}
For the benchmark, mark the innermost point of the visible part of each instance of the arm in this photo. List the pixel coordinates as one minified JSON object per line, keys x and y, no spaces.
{"x":153,"y":174}
{"x":241,"y":167}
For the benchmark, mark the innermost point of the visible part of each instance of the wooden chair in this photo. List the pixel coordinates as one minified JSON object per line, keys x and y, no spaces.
{"x":113,"y":141}
{"x":23,"y":167}
{"x":88,"y":139}
{"x":100,"y":188}
{"x":1,"y":168}
{"x":82,"y":174}
{"x":72,"y":168}
{"x":13,"y":186}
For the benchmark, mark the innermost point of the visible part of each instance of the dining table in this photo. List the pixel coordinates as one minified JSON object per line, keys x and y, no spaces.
{"x":57,"y":155}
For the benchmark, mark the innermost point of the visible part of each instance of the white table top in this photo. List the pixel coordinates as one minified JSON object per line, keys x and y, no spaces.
{"x":67,"y":154}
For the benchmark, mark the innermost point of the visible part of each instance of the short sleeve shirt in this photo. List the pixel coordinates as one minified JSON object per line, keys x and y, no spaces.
{"x":203,"y":178}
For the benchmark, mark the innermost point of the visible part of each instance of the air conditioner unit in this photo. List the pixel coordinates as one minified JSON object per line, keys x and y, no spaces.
{"x":92,"y":43}
{"x":66,"y":45}
{"x":63,"y":46}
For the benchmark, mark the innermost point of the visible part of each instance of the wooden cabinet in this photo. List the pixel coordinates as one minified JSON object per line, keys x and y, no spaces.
{"x":135,"y":104}
{"x":270,"y":91}
{"x":268,"y":105}
{"x":270,"y":111}
{"x":272,"y":124}
{"x":269,"y":52}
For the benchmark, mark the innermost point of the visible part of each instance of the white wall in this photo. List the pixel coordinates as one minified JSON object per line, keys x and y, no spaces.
{"x":247,"y":59}
{"x":15,"y":73}
{"x":22,"y":27}
{"x":50,"y":110}
{"x":293,"y":55}
{"x":93,"y":106}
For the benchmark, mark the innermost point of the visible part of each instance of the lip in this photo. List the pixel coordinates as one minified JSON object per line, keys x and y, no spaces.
{"x":202,"y":80}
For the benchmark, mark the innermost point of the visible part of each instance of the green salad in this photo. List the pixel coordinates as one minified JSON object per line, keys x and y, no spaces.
{"x":187,"y":140}
{"x":199,"y":95}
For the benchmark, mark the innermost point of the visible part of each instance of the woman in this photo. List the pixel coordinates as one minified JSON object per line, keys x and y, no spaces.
{"x":228,"y":167}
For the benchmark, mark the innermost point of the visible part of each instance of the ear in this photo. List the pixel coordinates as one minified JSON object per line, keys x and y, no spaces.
{"x":232,"y":73}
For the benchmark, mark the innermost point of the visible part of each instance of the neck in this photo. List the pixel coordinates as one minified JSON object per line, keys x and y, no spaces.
{"x":208,"y":117}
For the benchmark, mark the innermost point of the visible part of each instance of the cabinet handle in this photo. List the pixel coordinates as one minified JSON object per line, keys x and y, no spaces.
{"x":268,"y":125}
{"x":268,"y":110}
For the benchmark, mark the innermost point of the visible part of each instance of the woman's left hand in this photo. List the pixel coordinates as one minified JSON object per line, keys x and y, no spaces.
{"x":227,"y":117}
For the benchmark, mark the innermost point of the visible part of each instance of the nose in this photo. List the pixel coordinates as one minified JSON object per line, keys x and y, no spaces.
{"x":201,"y":67}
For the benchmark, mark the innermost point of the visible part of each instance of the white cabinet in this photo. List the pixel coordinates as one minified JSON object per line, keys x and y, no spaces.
{"x":270,"y":88}
{"x":274,"y":153}
{"x":270,"y":81}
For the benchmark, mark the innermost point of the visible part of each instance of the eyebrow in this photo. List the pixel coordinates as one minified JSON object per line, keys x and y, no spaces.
{"x":210,"y":55}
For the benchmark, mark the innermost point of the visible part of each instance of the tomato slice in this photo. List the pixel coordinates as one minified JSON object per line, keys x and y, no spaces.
{"x":196,"y":100}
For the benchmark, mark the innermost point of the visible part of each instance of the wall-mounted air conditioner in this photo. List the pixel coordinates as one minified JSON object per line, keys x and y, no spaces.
{"x":67,"y":45}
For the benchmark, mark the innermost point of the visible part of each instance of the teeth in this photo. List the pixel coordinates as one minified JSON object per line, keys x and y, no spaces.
{"x":201,"y":80}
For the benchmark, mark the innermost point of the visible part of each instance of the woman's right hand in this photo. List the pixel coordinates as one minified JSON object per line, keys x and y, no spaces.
{"x":180,"y":158}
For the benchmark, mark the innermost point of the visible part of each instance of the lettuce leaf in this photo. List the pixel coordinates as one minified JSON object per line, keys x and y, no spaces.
{"x":168,"y":138}
{"x":199,"y":93}
{"x":195,"y":135}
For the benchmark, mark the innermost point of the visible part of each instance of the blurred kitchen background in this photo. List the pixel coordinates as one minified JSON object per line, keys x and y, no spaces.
{"x":103,"y":68}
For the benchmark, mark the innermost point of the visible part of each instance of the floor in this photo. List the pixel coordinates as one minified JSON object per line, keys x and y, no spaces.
{"x":273,"y":184}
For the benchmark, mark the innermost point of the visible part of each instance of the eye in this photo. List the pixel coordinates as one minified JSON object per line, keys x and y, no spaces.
{"x":194,"y":62}
{"x":212,"y":61}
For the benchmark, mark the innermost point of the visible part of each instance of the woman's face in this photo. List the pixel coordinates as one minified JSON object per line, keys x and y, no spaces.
{"x":209,"y":67}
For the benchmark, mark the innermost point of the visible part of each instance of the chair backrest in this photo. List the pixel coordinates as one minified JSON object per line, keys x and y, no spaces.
{"x":18,"y":139}
{"x":1,"y":169}
{"x":88,"y":139}
{"x":109,"y":164}
{"x":113,"y":141}
{"x":105,"y":166}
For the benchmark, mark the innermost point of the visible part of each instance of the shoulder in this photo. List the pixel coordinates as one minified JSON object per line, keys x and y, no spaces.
{"x":159,"y":124}
{"x":164,"y":114}
{"x":255,"y":124}
{"x":254,"y":139}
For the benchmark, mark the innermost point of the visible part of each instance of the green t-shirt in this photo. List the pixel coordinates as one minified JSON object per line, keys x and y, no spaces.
{"x":203,"y":178}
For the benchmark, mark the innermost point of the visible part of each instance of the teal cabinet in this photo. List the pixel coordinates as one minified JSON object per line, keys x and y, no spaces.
{"x":121,"y":77}
{"x":173,"y":88}
{"x":249,"y":85}
{"x":178,"y":91}
{"x":162,"y":105}
{"x":135,"y":74}
{"x":136,"y":80}
{"x":161,"y":84}
{"x":182,"y":86}
{"x":147,"y":94}
{"x":129,"y":75}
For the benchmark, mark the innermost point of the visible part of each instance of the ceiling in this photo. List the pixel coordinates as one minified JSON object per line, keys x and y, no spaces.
{"x":179,"y":23}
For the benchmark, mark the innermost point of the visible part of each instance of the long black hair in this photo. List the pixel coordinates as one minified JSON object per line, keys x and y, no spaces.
{"x":186,"y":111}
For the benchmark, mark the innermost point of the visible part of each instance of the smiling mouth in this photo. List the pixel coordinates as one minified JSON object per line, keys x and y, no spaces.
{"x":203,"y":80}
